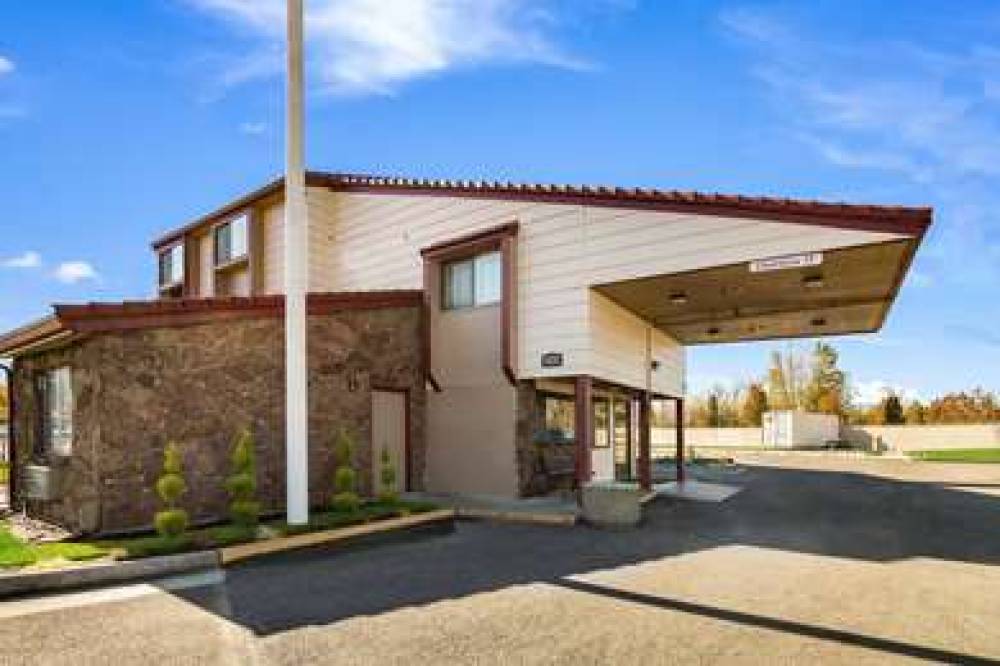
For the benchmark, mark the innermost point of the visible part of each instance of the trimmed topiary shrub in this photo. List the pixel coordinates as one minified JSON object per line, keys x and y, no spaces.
{"x":345,"y":495}
{"x":172,"y":520}
{"x":387,"y":475}
{"x":244,"y":509}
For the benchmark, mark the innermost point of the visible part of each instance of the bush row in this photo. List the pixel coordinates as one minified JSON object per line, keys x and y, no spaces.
{"x":171,"y":521}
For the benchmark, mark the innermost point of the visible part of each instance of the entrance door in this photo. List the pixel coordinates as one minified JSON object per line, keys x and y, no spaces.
{"x":389,"y":432}
{"x":622,"y":438}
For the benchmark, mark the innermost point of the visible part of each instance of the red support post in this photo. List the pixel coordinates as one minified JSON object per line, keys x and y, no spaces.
{"x":679,"y":425}
{"x":645,"y":457}
{"x":584,"y":428}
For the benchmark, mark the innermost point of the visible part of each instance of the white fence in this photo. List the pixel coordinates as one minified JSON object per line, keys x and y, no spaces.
{"x":892,"y":438}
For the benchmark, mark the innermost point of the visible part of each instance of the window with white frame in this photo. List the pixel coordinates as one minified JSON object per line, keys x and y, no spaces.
{"x":55,"y":393}
{"x":172,"y":266}
{"x":231,"y":240}
{"x":472,"y":282}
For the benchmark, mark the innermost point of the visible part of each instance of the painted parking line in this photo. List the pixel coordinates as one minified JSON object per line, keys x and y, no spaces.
{"x":57,"y":602}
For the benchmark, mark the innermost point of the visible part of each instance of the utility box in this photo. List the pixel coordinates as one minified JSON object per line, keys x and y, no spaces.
{"x":789,"y":429}
{"x":40,"y":483}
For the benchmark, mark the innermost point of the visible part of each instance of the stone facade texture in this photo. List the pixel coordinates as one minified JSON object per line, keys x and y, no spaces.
{"x":198,"y":386}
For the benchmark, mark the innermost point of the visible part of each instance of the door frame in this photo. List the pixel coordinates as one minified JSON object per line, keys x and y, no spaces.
{"x":407,"y":486}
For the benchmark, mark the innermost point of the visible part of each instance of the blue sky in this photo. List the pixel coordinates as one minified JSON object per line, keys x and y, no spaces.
{"x":122,"y":118}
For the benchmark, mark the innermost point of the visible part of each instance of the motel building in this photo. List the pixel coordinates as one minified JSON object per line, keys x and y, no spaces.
{"x":500,"y":340}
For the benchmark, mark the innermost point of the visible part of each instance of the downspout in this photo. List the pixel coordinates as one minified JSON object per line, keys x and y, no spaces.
{"x":11,"y":448}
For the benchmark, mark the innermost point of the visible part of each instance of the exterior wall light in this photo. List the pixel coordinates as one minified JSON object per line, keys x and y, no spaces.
{"x":714,"y":330}
{"x":813,"y":281}
{"x":678,"y":298}
{"x":353,"y":381}
{"x":818,"y":321}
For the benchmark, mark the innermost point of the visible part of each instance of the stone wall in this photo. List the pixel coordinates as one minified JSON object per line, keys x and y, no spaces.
{"x":198,"y":385}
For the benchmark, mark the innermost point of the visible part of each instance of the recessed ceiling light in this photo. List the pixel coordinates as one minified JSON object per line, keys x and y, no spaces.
{"x":678,"y":298}
{"x":714,"y":330}
{"x":813,"y":281}
{"x":818,"y":321}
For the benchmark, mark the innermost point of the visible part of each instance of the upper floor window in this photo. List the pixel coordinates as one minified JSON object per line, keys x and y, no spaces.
{"x":55,"y":402}
{"x":172,"y":266}
{"x":231,"y":240}
{"x":472,"y":282}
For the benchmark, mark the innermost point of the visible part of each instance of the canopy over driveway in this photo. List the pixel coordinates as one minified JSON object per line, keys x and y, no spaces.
{"x":835,"y":292}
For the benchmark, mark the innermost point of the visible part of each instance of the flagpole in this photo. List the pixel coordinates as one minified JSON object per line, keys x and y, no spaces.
{"x":296,"y":281}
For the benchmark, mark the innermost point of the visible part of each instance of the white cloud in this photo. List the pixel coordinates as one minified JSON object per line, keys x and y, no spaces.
{"x":253,"y":128}
{"x":6,"y":65}
{"x":900,"y":108}
{"x":871,"y":392}
{"x":915,"y":110}
{"x":373,"y":46}
{"x":72,"y":272}
{"x":29,"y":259}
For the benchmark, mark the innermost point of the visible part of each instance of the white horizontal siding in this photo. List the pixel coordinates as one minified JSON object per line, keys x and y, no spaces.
{"x":272,"y":232}
{"x":372,"y":241}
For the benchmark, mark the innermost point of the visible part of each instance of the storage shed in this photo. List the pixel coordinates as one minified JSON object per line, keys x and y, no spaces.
{"x":786,"y":429}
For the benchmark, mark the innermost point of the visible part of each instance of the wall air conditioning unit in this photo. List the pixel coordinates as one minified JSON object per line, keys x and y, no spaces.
{"x":40,"y":482}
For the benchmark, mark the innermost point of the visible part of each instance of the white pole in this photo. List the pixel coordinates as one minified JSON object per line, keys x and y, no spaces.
{"x":296,"y":282}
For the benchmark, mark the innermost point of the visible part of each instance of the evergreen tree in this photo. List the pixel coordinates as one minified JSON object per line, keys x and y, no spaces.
{"x":345,"y":496}
{"x":242,"y":483}
{"x":714,"y":415}
{"x":892,"y":409}
{"x":170,"y":486}
{"x":387,"y":477}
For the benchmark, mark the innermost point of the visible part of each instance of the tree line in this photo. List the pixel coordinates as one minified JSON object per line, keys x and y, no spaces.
{"x":814,"y":382}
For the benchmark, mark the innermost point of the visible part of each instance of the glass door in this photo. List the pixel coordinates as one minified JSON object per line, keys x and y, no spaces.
{"x":621,"y":411}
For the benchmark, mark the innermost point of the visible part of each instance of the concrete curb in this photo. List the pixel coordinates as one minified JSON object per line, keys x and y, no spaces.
{"x":527,"y":517}
{"x":341,"y":536}
{"x":102,"y":574}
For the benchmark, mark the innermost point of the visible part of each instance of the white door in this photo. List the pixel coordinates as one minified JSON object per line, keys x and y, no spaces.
{"x":389,"y":433}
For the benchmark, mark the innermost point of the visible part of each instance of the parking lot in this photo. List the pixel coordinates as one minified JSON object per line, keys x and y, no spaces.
{"x":818,"y":558}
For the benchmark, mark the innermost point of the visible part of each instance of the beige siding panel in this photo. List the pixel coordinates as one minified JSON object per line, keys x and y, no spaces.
{"x":373,"y":241}
{"x":206,"y":259}
{"x":471,"y":422}
{"x":239,"y":282}
{"x":669,"y":379}
{"x":470,"y":434}
{"x":618,"y":347}
{"x":273,"y":247}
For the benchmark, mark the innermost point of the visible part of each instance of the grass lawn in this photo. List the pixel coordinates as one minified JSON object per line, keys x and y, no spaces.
{"x":229,"y":535}
{"x":959,"y":455}
{"x":16,"y":553}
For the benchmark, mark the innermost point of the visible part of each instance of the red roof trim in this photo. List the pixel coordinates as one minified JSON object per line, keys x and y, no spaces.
{"x":891,"y":219}
{"x":133,"y":315}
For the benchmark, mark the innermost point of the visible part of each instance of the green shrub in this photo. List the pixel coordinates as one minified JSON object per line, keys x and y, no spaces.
{"x":172,"y":521}
{"x":345,"y":495}
{"x":387,"y":475}
{"x":170,"y":486}
{"x":242,"y":483}
{"x":244,"y":512}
